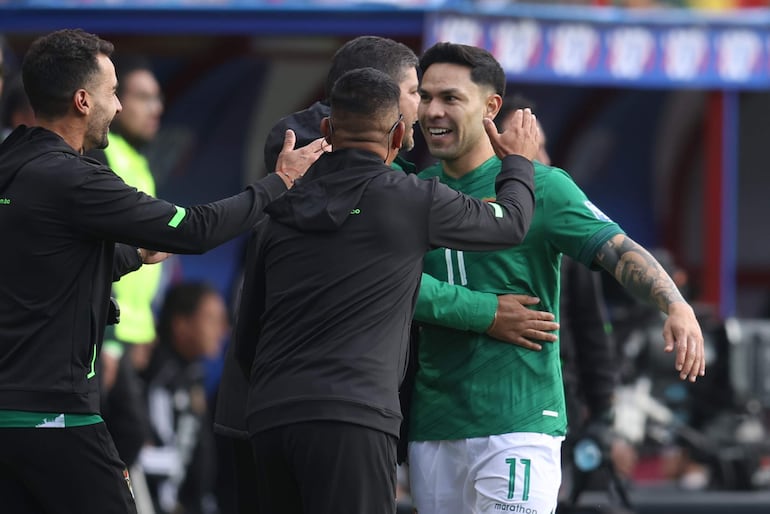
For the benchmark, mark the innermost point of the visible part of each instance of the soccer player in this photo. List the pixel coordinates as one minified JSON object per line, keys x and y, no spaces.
{"x":488,"y":419}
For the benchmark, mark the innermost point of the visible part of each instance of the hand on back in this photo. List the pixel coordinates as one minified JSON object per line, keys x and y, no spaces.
{"x":516,"y":324}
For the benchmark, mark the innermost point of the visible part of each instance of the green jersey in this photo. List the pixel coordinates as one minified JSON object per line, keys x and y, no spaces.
{"x":470,"y":385}
{"x":449,"y":305}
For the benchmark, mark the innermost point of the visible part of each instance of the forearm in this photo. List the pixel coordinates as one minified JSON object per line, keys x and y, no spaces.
{"x":452,"y":306}
{"x":464,"y":223}
{"x":638,"y":272}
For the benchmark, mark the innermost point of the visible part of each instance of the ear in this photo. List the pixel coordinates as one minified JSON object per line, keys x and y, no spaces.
{"x":492,"y":107}
{"x":81,"y":100}
{"x":326,"y":129}
{"x":398,"y":136}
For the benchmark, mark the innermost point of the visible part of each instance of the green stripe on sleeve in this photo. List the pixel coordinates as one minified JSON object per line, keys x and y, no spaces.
{"x":178,"y":217}
{"x":498,"y":210}
{"x":24,"y":419}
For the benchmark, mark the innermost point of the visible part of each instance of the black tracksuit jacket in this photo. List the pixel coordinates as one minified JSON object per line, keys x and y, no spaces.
{"x":331,"y":292}
{"x":61,"y":215}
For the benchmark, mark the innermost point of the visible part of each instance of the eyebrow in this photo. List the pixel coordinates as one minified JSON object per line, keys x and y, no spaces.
{"x":449,"y":91}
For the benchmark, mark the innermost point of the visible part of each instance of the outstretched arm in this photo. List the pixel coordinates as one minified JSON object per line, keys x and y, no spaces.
{"x":643,"y":276}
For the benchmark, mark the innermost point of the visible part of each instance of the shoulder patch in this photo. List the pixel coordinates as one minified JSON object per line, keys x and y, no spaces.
{"x":597,"y":212}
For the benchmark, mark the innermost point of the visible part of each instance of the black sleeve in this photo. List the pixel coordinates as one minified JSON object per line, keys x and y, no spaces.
{"x":459,"y":221}
{"x":252,"y":305}
{"x":126,"y":260}
{"x":105,"y":207}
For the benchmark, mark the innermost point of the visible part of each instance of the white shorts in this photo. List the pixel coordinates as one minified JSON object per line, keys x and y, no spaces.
{"x":518,"y":472}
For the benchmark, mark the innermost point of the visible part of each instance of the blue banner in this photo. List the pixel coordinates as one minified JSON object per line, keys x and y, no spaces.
{"x":642,"y":54}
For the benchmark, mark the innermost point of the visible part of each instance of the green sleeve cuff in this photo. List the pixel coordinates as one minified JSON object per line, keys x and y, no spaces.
{"x":486,"y":307}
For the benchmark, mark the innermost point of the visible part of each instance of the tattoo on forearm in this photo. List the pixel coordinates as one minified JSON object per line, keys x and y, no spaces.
{"x":638,"y":272}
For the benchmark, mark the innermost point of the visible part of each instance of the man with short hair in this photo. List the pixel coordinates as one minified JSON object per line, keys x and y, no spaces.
{"x":488,"y":419}
{"x":61,"y":215}
{"x":331,"y":292}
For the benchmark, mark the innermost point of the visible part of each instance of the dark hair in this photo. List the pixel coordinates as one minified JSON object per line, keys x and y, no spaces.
{"x":485,"y":70}
{"x":181,"y":300}
{"x":376,"y":52}
{"x":510,"y":104}
{"x":125,"y":65}
{"x":364,"y":92}
{"x":57,"y":65}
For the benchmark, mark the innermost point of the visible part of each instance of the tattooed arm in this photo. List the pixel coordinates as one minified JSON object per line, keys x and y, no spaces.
{"x":643,"y":276}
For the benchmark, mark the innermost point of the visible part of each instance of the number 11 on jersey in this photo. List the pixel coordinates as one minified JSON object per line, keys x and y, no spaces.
{"x":450,"y":270}
{"x":512,"y":478}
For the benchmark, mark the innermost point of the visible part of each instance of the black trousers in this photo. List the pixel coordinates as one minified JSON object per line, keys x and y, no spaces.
{"x":325,"y":467}
{"x":62,"y":471}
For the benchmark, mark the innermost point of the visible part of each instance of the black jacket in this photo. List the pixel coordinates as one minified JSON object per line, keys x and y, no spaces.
{"x":60,"y":216}
{"x":335,"y":280}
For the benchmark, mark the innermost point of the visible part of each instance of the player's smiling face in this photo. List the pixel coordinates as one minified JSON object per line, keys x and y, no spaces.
{"x":451,"y":110}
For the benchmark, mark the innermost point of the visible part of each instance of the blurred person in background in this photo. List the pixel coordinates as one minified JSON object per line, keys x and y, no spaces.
{"x":130,"y":132}
{"x":15,"y":109}
{"x":179,"y":462}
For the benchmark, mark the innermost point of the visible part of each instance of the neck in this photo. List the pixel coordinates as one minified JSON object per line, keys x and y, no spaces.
{"x":369,"y":146}
{"x":72,"y":132}
{"x":469,"y":161}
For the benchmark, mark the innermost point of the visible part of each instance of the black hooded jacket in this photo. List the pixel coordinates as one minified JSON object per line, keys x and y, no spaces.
{"x":61,"y":215}
{"x":328,"y":301}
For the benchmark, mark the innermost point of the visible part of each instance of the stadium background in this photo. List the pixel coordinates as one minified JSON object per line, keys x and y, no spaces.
{"x":660,"y":112}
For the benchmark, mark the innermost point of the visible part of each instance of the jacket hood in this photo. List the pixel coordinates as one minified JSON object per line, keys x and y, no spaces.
{"x":330,"y":190}
{"x":23,"y":145}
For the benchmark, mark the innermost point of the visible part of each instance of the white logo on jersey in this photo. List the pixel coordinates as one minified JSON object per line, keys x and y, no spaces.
{"x":597,"y":212}
{"x":57,"y":422}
